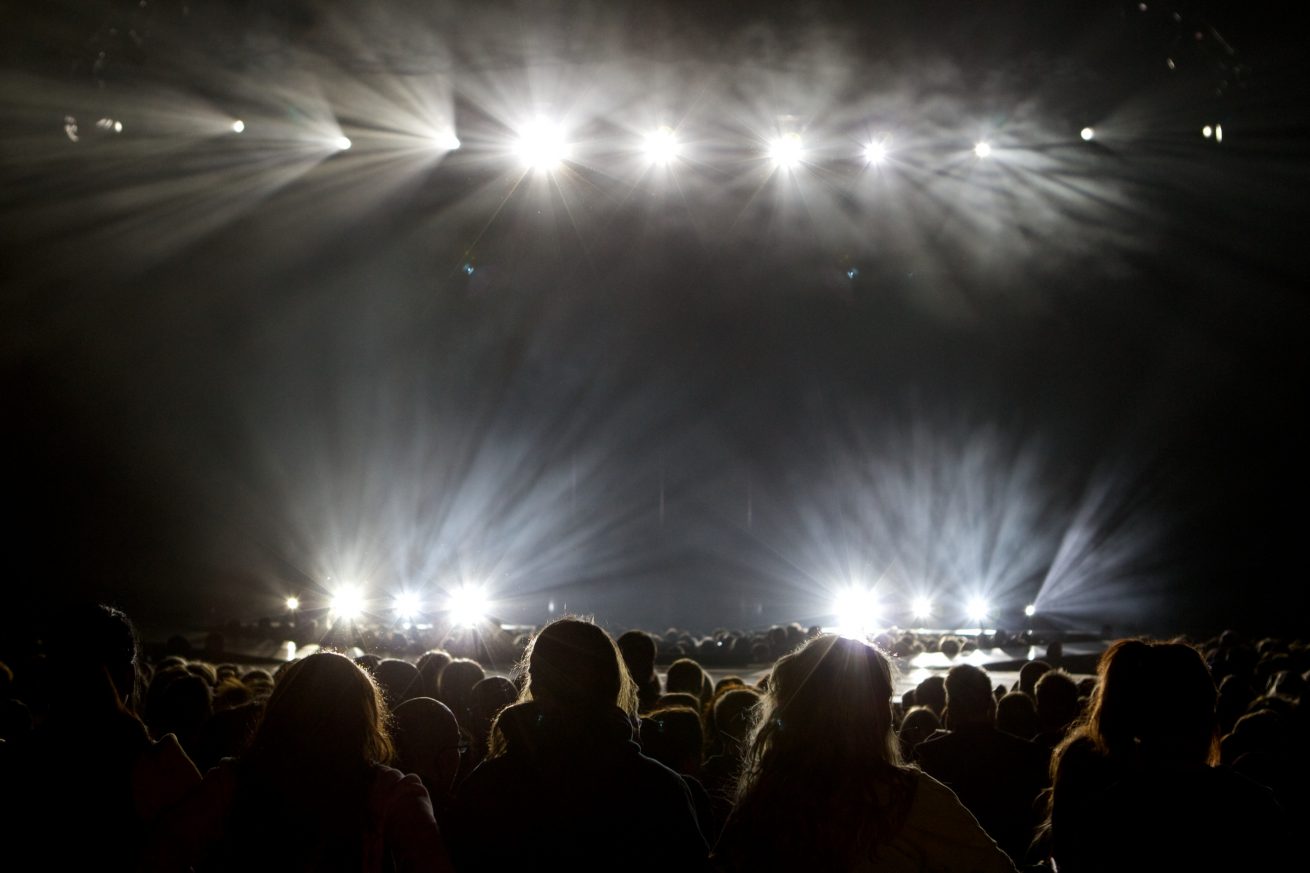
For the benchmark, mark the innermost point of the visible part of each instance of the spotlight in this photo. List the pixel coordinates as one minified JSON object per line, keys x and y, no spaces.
{"x":1207,"y":131}
{"x":293,"y":603}
{"x":541,"y":146}
{"x":407,"y":605}
{"x":661,"y":146}
{"x":1218,"y":133}
{"x":786,"y":150}
{"x":982,"y":149}
{"x":1030,"y":610}
{"x":447,"y":141}
{"x":921,"y":607}
{"x":875,"y":152}
{"x":238,"y":126}
{"x":342,"y":143}
{"x":857,"y":610}
{"x":348,"y":603}
{"x":468,"y":605}
{"x":1087,"y":134}
{"x":978,"y":609}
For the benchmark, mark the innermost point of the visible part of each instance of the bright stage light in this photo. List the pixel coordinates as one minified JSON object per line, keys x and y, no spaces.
{"x":1218,"y":133}
{"x":979,"y":609}
{"x":921,"y":607}
{"x":468,"y":605}
{"x":447,"y":141}
{"x":541,"y":146}
{"x":786,"y":150}
{"x":1087,"y":134}
{"x":982,"y":149}
{"x":661,"y":146}
{"x":857,"y":610}
{"x":875,"y":152}
{"x":238,"y":126}
{"x":1207,"y":131}
{"x":293,"y":603}
{"x":342,"y":143}
{"x":348,"y":603}
{"x":1030,"y":610}
{"x":407,"y":605}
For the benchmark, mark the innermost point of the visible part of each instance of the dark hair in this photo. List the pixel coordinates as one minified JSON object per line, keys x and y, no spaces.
{"x":302,"y":784}
{"x":574,"y":663}
{"x":823,"y":776}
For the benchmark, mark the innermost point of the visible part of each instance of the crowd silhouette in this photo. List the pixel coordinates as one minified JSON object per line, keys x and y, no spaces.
{"x":1175,"y":756}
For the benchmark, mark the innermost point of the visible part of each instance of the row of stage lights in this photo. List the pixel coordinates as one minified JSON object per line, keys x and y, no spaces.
{"x":465,"y":606}
{"x":544,"y":146}
{"x":859,"y":610}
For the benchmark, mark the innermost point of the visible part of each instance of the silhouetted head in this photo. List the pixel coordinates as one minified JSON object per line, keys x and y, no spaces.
{"x":831,"y":699}
{"x":1016,"y":714}
{"x":969,"y":698}
{"x":325,"y":715}
{"x":931,"y":692}
{"x":427,"y":743}
{"x":638,"y":650}
{"x":456,"y":684}
{"x":1155,"y":701}
{"x":94,"y":657}
{"x":1029,"y":673}
{"x":1057,"y":700}
{"x":734,"y":713}
{"x":674,"y":737}
{"x":573,"y":664}
{"x":486,"y":700}
{"x":688,"y":677}
{"x":398,"y":680}
{"x":430,"y":664}
{"x":919,"y":724}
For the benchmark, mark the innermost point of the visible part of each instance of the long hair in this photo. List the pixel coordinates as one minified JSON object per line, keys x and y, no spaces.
{"x":303,"y":782}
{"x":823,"y":780}
{"x":1154,"y":702}
{"x":574,"y":667}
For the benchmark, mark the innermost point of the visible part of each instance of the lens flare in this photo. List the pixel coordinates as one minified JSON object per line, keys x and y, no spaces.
{"x":541,"y":146}
{"x":348,"y":603}
{"x":875,"y":152}
{"x":468,"y":605}
{"x":982,"y":149}
{"x":786,"y":150}
{"x":858,"y":611}
{"x":407,"y":605}
{"x":661,"y":146}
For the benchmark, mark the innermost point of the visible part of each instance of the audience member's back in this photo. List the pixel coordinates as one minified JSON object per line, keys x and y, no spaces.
{"x":566,"y":787}
{"x":86,"y":783}
{"x":996,"y":775}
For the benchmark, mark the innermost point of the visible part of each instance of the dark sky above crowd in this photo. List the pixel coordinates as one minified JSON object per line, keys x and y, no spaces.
{"x":238,"y":366}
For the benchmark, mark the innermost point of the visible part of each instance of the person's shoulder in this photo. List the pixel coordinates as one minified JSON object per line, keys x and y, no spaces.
{"x":937,"y":741}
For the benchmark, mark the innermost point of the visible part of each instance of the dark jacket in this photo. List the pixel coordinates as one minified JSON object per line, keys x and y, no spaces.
{"x":573,"y":792}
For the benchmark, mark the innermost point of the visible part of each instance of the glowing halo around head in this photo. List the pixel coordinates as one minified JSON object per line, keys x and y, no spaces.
{"x":468,"y":605}
{"x":348,"y":603}
{"x":786,"y":150}
{"x":541,"y":146}
{"x":661,"y":146}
